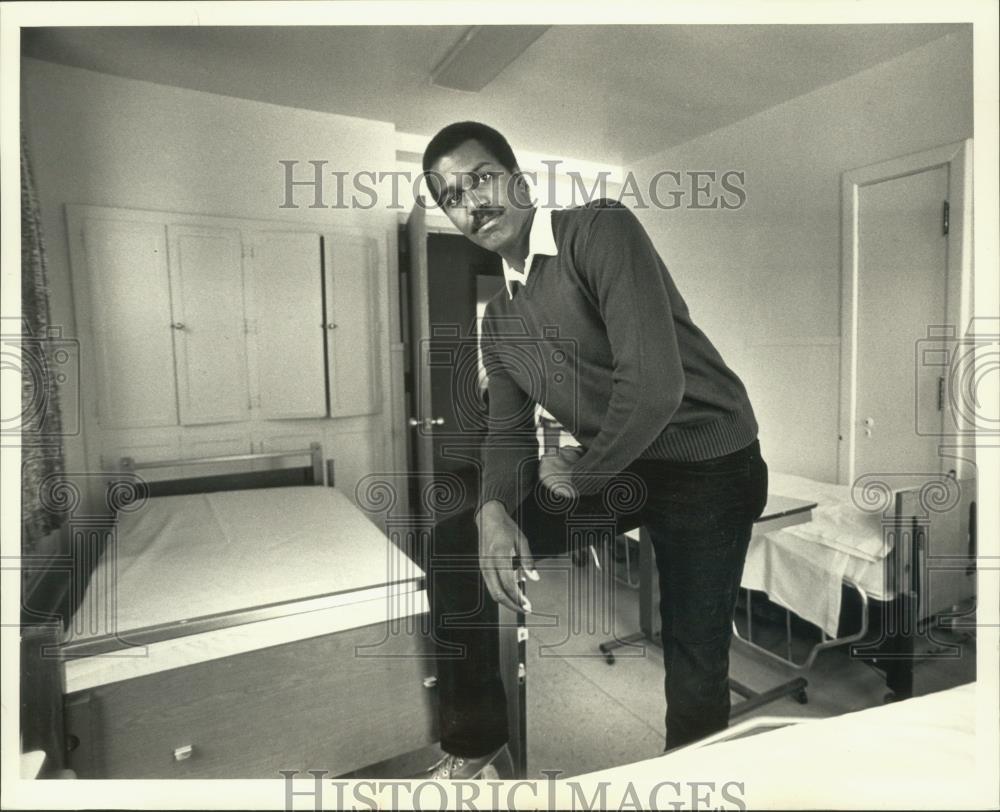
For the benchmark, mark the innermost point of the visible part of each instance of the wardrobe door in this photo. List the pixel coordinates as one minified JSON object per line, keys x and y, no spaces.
{"x":128,"y":292}
{"x":352,"y":327}
{"x":206,"y":285}
{"x":286,"y":326}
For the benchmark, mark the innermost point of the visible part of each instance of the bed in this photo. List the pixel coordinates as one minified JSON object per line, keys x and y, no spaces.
{"x":241,"y":623}
{"x":904,"y":545}
{"x":921,"y":753}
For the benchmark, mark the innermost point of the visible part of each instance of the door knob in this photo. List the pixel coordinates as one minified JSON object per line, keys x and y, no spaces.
{"x":427,"y":422}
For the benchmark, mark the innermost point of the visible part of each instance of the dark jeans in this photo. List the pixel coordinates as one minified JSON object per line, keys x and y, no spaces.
{"x":699,"y":518}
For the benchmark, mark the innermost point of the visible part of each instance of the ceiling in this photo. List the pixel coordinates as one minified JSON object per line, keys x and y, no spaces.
{"x":608,"y":93}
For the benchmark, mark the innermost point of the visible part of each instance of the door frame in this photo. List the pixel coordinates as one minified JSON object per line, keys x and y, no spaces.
{"x":417,"y":299}
{"x":958,"y":305}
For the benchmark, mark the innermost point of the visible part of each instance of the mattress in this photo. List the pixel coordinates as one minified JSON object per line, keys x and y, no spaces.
{"x":922,"y":753}
{"x":306,"y":556}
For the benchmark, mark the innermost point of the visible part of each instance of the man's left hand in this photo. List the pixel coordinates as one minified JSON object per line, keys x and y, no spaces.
{"x":555,"y":469}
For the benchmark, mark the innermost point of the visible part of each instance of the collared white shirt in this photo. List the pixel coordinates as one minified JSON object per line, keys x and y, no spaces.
{"x":541,"y":240}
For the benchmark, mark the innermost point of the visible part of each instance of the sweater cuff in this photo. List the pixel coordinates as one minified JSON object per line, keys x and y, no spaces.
{"x":587,"y":482}
{"x":505,"y":494}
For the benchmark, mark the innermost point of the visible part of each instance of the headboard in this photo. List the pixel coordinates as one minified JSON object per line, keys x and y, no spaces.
{"x":266,"y":472}
{"x":937,"y":527}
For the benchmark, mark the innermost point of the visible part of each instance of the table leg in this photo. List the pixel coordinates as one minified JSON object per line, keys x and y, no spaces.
{"x":649,"y":596}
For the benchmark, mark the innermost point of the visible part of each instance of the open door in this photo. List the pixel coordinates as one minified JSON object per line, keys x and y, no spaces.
{"x":450,"y":280}
{"x":420,"y":419}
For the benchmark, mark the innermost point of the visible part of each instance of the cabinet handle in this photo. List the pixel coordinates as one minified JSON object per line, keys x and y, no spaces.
{"x":178,"y":325}
{"x":183,"y":753}
{"x":331,"y":326}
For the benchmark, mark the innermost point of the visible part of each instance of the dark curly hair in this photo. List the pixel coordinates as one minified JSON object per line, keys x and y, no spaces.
{"x":454,"y":135}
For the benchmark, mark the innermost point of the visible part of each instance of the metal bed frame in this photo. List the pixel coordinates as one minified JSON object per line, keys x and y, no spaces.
{"x":826,"y":642}
{"x":908,"y":605}
{"x":313,"y":474}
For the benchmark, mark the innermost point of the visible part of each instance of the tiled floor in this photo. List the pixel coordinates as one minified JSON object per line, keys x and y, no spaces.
{"x":586,"y":715}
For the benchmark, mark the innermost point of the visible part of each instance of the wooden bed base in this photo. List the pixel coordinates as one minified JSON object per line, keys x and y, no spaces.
{"x":307,"y":705}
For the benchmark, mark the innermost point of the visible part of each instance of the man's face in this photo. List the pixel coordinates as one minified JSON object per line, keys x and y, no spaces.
{"x":488,"y":203}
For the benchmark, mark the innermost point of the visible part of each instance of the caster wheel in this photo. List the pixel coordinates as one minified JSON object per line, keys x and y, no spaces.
{"x":609,"y":659}
{"x":889,"y":697}
{"x":802,"y":698}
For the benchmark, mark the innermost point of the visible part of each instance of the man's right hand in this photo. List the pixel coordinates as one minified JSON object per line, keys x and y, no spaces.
{"x":500,"y":539}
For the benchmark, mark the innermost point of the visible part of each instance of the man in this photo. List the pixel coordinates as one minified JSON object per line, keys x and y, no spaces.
{"x":591,"y":326}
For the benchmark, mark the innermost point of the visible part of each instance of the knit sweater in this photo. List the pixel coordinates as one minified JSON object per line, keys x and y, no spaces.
{"x":603,"y":340}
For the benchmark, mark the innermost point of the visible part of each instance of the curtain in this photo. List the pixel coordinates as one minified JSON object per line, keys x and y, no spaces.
{"x":41,"y":425}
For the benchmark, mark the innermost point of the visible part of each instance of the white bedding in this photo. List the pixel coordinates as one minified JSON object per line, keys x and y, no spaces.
{"x":837,"y":523}
{"x":918,"y":754}
{"x":804,"y":566}
{"x":182,"y":557}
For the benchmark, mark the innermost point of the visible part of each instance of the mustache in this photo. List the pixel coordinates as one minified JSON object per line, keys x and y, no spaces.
{"x":484,"y":214}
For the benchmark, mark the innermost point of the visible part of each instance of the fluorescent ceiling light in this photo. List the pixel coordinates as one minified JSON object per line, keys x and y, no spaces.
{"x":482,"y":53}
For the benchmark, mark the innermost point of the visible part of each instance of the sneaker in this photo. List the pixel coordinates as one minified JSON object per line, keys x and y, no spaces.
{"x":494,"y":766}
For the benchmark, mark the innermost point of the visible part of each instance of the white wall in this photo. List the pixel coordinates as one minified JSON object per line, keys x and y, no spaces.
{"x":764,"y":281}
{"x":103,"y":140}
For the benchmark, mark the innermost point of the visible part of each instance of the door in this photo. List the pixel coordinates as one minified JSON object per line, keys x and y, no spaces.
{"x":901,"y":300}
{"x":352,"y":329}
{"x":206,"y":286}
{"x":421,"y":418}
{"x":126,"y":273}
{"x":285,"y":325}
{"x":450,"y":280}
